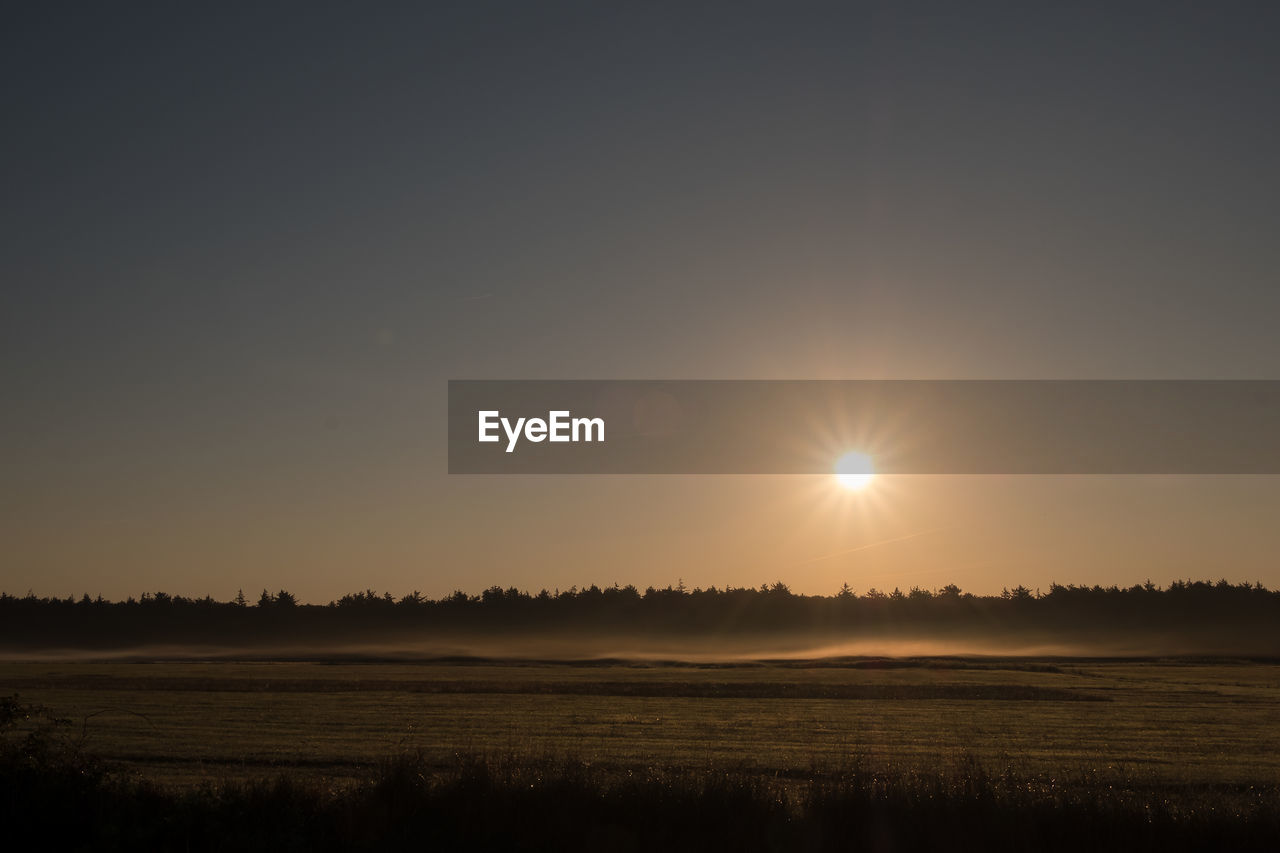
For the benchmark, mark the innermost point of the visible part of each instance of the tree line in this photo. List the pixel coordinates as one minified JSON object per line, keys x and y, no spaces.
{"x":1201,"y":610}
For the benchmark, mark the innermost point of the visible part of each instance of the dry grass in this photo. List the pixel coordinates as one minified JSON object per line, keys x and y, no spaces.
{"x":183,"y":723}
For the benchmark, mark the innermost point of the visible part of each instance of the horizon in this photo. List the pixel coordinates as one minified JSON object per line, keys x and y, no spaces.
{"x":869,"y":594}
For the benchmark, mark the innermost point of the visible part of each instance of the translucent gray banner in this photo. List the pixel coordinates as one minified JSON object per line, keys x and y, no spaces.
{"x":905,"y":427}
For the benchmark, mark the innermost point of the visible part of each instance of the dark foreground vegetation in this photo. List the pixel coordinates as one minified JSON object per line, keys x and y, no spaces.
{"x":51,"y":790}
{"x":1187,"y":617}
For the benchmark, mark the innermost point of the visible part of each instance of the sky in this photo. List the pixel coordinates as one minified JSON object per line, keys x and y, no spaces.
{"x":244,"y":249}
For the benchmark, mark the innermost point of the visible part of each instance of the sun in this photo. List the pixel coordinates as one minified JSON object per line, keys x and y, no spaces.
{"x":855,"y":471}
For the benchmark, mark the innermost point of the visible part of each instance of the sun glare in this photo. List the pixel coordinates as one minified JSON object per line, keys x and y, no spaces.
{"x":855,"y":471}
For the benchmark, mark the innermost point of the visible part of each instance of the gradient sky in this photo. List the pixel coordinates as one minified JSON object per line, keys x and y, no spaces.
{"x":244,"y":250}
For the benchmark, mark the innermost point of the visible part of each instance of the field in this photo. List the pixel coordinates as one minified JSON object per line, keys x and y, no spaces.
{"x":1163,"y":723}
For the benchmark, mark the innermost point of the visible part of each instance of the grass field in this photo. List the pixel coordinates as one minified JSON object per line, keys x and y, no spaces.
{"x":1162,"y":723}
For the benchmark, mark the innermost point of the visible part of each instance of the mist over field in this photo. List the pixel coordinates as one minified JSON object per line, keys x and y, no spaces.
{"x":694,"y":650}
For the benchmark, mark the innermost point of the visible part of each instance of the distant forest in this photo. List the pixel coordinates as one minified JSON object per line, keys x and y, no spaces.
{"x":1187,"y":616}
